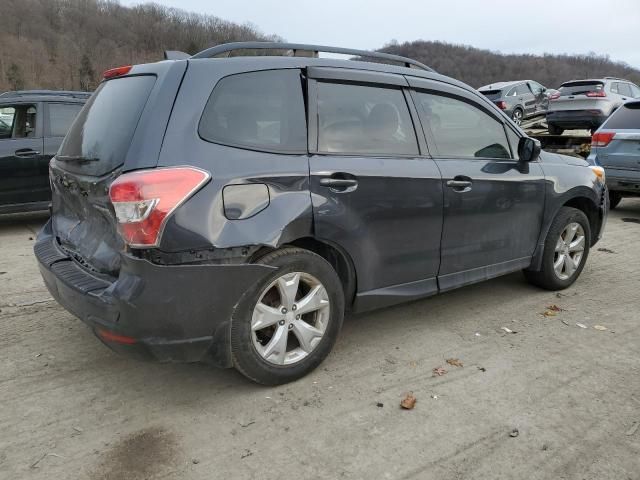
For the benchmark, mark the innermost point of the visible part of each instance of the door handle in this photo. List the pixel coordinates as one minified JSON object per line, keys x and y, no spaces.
{"x":26,"y":152}
{"x":459,"y":185}
{"x":338,"y":182}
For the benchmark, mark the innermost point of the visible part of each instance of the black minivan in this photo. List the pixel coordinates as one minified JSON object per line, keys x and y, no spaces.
{"x":231,"y":210}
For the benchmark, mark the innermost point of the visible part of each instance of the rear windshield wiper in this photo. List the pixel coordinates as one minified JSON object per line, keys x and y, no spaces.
{"x":76,"y":158}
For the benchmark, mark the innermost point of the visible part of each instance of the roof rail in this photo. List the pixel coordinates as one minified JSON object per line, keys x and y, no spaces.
{"x":299,"y":48}
{"x":616,"y":78}
{"x":51,"y":93}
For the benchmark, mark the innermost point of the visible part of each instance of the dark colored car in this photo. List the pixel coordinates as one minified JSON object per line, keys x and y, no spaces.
{"x":587,"y":103}
{"x":231,"y":210}
{"x":520,"y":99}
{"x":616,"y":147}
{"x":32,"y":126}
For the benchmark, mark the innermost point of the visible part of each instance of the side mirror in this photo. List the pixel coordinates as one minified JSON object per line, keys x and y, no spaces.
{"x":528,"y":149}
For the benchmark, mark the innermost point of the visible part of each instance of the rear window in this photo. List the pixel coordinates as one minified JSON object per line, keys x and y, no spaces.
{"x":625,"y":117}
{"x":257,"y":110}
{"x":101,"y":134}
{"x":492,"y":94}
{"x":580,"y":88}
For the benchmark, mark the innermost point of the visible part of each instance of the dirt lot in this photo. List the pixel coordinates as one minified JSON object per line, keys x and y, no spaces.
{"x":70,"y":408}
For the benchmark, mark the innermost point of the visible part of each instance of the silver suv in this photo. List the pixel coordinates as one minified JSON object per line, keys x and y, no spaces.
{"x":587,"y":103}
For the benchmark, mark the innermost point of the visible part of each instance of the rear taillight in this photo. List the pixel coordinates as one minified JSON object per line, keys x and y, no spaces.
{"x":144,"y":200}
{"x":116,"y":72}
{"x":554,"y":96}
{"x":502,"y":105}
{"x":602,"y":139}
{"x":596,"y":93}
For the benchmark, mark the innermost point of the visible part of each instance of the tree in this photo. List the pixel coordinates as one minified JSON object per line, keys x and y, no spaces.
{"x":86,"y":74}
{"x":14,"y":77}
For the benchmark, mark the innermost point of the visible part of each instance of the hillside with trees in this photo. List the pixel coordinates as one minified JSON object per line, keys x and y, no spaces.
{"x":66,"y":44}
{"x":481,"y":67}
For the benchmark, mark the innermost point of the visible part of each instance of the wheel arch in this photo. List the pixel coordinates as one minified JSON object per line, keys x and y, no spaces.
{"x":580,"y":200}
{"x":336,"y":256}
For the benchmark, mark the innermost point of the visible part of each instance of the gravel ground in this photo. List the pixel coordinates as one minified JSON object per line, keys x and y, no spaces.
{"x":72,"y":409}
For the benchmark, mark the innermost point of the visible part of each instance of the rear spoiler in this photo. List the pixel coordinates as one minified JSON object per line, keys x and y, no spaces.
{"x":175,"y":55}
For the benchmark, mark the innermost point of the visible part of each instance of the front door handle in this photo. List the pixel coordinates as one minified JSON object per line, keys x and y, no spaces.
{"x":460,"y":184}
{"x":26,"y":152}
{"x":338,"y":182}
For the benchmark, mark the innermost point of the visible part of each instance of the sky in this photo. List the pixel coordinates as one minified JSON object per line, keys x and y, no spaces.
{"x":606,"y":27}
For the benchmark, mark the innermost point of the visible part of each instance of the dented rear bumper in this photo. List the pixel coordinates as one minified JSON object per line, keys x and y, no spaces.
{"x":168,"y":313}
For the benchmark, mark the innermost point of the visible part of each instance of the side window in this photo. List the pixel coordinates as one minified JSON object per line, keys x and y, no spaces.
{"x":635,"y":91}
{"x":356,"y":119}
{"x":523,"y":89}
{"x":614,"y":87}
{"x":61,"y":116}
{"x":18,"y":121}
{"x":513,"y":92}
{"x":461,"y":129}
{"x":7,"y":114}
{"x":536,"y":88}
{"x":624,"y":89}
{"x":257,"y":110}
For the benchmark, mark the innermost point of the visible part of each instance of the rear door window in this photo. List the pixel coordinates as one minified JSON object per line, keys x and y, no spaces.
{"x":365,"y":120}
{"x":61,"y":116}
{"x":625,"y":117}
{"x":461,"y":129}
{"x":257,"y":110}
{"x":624,"y":89}
{"x":101,"y":134}
{"x":523,"y":89}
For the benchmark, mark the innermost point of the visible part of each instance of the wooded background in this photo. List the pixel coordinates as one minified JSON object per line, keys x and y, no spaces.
{"x":67,"y":44}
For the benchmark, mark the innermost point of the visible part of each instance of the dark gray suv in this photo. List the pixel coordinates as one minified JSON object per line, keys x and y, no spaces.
{"x":520,"y":99}
{"x":231,"y":210}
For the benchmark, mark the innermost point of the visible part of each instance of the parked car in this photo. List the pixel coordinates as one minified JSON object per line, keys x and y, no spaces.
{"x":616,"y":147}
{"x":520,"y":99}
{"x":586,"y":104}
{"x":32,"y":126}
{"x":203,"y":210}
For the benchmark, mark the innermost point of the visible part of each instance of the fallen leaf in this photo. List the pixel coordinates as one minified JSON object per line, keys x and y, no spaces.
{"x":548,"y":313}
{"x":482,"y":369}
{"x":379,"y":404}
{"x":555,"y":308}
{"x":600,"y":327}
{"x":514,"y":433}
{"x":454,"y":361}
{"x":581,"y":325}
{"x":605,"y":250}
{"x":439,"y":371}
{"x":408,"y":402}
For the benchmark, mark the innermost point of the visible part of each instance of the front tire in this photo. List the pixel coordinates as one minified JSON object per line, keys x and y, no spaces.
{"x":286,"y":325}
{"x":566,"y":249}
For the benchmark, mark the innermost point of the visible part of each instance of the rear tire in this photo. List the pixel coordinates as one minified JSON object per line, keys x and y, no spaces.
{"x":614,"y":199}
{"x":281,"y":330}
{"x":563,"y":258}
{"x":517,"y":116}
{"x":553,"y":130}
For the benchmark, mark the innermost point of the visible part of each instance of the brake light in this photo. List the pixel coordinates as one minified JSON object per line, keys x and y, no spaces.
{"x":596,"y":93}
{"x":554,"y":96}
{"x":502,"y":105}
{"x":602,"y":139}
{"x":116,"y":72}
{"x":144,"y":200}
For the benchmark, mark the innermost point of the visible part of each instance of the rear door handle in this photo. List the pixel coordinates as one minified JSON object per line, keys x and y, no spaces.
{"x":26,"y":152}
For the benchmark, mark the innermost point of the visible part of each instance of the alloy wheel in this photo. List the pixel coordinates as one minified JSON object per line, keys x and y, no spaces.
{"x":569,"y":251}
{"x":517,"y":117}
{"x":290,"y":318}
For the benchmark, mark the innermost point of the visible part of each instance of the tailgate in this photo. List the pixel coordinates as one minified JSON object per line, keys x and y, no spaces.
{"x":623,"y":152}
{"x":120,"y":128}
